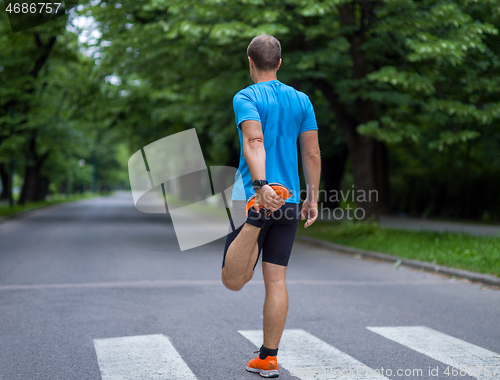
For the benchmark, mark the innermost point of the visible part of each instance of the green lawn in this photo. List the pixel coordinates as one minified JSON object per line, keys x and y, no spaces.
{"x":457,"y":250}
{"x":5,"y":210}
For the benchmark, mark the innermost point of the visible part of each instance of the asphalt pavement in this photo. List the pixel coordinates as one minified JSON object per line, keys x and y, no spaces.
{"x":98,"y":290}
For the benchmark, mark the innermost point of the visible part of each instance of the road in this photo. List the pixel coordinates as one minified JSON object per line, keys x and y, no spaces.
{"x":96,"y":289}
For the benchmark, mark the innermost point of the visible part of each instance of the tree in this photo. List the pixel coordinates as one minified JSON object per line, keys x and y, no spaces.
{"x":53,"y":110}
{"x":388,"y":80}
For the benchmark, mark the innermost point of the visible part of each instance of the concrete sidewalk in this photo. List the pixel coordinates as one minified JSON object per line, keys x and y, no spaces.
{"x":416,"y":224}
{"x":419,"y":224}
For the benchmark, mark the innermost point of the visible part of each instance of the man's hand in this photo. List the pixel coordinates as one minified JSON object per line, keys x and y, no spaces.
{"x":309,"y":211}
{"x":267,"y":198}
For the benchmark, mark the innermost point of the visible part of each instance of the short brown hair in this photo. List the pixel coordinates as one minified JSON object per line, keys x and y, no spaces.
{"x":265,"y":51}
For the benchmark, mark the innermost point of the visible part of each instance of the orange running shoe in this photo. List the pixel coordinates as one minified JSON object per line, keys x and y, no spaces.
{"x":283,"y":191}
{"x":266,"y":368}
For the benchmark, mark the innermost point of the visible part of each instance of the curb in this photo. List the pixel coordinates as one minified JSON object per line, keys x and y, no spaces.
{"x":472,"y":276}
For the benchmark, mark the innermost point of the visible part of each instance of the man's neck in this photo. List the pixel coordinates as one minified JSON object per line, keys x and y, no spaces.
{"x":265,"y":77}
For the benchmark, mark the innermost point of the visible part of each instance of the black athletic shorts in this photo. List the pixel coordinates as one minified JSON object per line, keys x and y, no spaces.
{"x":275,"y":238}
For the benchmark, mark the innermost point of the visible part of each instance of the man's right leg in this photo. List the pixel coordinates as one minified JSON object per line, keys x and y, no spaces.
{"x":241,"y":257}
{"x":243,"y":251}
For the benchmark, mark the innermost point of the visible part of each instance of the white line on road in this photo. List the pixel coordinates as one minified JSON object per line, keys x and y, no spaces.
{"x":173,"y":283}
{"x":476,"y":361}
{"x":114,"y":284}
{"x":308,"y":357}
{"x":151,"y":357}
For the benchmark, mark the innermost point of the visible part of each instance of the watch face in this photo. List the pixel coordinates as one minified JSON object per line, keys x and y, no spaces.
{"x":258,"y":183}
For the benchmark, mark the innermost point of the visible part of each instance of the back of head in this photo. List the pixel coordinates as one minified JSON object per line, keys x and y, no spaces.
{"x":265,"y":51}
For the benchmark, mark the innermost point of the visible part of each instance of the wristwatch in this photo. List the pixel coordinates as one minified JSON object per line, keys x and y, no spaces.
{"x":258,"y":183}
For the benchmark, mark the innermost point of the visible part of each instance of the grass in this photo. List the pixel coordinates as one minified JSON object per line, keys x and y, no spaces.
{"x":5,"y":210}
{"x":456,"y":250}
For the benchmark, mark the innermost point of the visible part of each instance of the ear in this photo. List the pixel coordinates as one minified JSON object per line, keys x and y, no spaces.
{"x":250,"y":62}
{"x":279,"y":64}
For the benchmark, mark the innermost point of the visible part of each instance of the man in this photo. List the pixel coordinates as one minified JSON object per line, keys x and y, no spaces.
{"x":270,"y":117}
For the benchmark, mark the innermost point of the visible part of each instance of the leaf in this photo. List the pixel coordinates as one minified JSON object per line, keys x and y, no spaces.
{"x":448,"y":138}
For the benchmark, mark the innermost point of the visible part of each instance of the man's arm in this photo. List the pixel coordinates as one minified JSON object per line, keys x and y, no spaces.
{"x":255,"y":156}
{"x":311,"y":162}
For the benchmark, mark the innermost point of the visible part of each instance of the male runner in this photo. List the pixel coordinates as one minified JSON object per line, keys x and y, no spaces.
{"x":270,"y":117}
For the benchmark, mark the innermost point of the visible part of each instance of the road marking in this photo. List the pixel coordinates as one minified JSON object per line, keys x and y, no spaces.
{"x":114,"y":284}
{"x":173,"y":283}
{"x":308,"y":357}
{"x":444,"y":348}
{"x":151,"y":357}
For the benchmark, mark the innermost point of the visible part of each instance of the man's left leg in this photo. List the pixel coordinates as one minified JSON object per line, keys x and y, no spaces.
{"x":275,"y":304}
{"x":275,"y":312}
{"x":276,"y":253}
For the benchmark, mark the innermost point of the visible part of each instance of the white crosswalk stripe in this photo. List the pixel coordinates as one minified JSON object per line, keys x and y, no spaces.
{"x":474,"y":360}
{"x":305,"y":356}
{"x":151,"y":357}
{"x":310,"y":358}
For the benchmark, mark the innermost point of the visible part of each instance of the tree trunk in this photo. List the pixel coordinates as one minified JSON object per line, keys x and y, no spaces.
{"x":332,"y":168}
{"x":4,"y":177}
{"x":31,"y":191}
{"x":368,"y":156}
{"x":382,"y":177}
{"x":32,"y":186}
{"x":362,"y":155}
{"x":44,"y":190}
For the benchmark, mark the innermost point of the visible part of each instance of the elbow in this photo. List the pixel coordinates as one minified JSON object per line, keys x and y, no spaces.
{"x":255,"y":142}
{"x":312,"y":156}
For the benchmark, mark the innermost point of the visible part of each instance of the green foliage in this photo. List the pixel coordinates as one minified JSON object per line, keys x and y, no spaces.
{"x":420,"y":76}
{"x":430,"y":77}
{"x":54,"y":110}
{"x":442,"y":49}
{"x":389,"y":131}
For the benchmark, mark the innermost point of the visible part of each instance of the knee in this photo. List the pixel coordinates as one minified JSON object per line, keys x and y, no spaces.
{"x":235,"y":284}
{"x":235,"y":287}
{"x":275,"y":285}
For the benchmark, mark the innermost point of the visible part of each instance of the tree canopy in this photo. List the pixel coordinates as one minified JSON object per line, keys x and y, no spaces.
{"x":405,"y":92}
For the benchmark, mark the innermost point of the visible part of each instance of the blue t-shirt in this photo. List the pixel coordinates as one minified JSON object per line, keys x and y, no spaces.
{"x":284,"y":113}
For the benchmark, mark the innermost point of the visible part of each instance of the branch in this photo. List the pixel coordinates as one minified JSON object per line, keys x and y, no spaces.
{"x":45,"y":54}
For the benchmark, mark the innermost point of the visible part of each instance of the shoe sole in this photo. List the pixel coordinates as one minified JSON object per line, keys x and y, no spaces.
{"x":263,"y":372}
{"x":283,"y":191}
